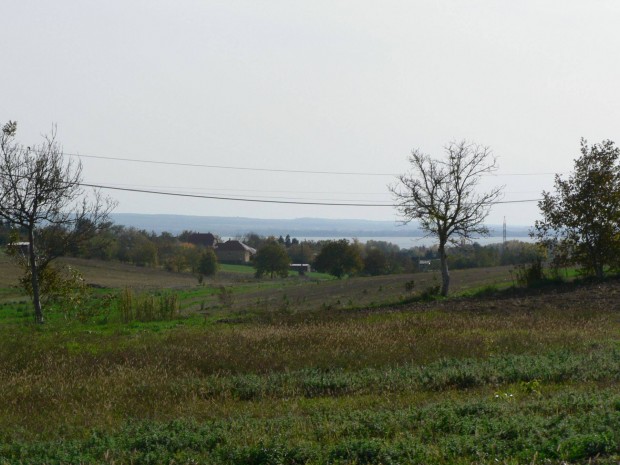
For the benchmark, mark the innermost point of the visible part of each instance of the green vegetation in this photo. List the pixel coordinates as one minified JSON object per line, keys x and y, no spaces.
{"x":246,"y":269}
{"x":41,"y":197}
{"x":581,"y":220}
{"x":147,"y":307}
{"x":300,"y":370}
{"x":119,"y":244}
{"x":208,"y":264}
{"x":339,"y":258}
{"x":272,"y":259}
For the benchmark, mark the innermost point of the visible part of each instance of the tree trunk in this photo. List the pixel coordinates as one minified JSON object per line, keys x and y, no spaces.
{"x":445,"y":274}
{"x":598,"y":269}
{"x":34,"y":279}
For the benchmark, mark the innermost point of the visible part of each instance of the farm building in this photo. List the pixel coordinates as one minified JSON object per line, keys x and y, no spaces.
{"x":424,"y":265}
{"x":22,"y":248}
{"x":301,"y":268}
{"x":233,"y":251}
{"x":203,"y":239}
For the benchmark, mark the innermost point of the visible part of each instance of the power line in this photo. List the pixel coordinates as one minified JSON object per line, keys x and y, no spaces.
{"x":261,"y":193}
{"x":272,"y":170}
{"x":238,"y":199}
{"x":266,"y":191}
{"x":254,"y":200}
{"x":226,"y":167}
{"x":270,"y":191}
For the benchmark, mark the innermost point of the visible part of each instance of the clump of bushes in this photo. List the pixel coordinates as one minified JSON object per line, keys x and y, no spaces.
{"x":225,"y":296}
{"x":147,"y":307}
{"x":530,"y":275}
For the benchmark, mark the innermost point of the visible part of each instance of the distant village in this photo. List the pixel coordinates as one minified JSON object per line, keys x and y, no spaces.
{"x":231,"y":251}
{"x":234,"y":251}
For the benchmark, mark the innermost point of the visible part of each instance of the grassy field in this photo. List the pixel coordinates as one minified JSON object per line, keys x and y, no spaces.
{"x":312,"y":371}
{"x":315,"y":291}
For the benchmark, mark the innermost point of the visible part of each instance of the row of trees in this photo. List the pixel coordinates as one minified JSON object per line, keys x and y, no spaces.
{"x":341,"y":257}
{"x":337,"y":258}
{"x":119,"y":243}
{"x":372,"y":258}
{"x":174,"y":253}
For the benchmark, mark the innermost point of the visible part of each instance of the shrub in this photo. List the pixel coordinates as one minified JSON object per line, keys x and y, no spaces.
{"x":146,"y":307}
{"x":431,"y":292}
{"x":530,"y":275}
{"x":225,"y":296}
{"x":586,"y":446}
{"x":208,"y":264}
{"x":359,"y":451}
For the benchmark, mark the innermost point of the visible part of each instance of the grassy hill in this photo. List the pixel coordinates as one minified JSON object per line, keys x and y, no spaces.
{"x":289,"y":371}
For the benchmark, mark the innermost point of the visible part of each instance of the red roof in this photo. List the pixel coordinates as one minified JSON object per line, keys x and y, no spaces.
{"x":233,"y":245}
{"x":208,"y":239}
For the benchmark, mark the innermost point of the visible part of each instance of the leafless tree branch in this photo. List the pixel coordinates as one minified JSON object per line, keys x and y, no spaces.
{"x":40,"y":191}
{"x":442,"y":195}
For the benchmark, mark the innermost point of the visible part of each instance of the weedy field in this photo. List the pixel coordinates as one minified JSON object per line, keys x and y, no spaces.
{"x":248,"y":376}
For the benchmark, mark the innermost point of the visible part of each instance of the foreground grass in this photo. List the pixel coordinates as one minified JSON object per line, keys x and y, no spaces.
{"x":565,"y":425}
{"x":509,"y":379}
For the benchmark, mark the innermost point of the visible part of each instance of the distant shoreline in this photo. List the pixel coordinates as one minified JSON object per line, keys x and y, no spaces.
{"x":319,"y":228}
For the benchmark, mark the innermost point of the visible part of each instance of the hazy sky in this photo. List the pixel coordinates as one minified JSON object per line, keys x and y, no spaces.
{"x":316,"y":85}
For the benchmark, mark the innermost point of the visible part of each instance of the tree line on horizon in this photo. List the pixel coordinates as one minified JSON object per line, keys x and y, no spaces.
{"x":176,"y":253}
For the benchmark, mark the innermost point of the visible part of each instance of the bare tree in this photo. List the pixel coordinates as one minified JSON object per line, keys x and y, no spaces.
{"x":442,"y":195}
{"x":41,"y":192}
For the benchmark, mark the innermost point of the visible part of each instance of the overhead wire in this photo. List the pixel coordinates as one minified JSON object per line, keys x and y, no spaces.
{"x":272,"y":191}
{"x":255,"y":200}
{"x":227,"y":167}
{"x":260,"y":199}
{"x":265,"y":199}
{"x":203,"y":191}
{"x":272,"y":170}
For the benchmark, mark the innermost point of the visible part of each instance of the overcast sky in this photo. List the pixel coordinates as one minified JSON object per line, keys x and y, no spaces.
{"x":316,"y":85}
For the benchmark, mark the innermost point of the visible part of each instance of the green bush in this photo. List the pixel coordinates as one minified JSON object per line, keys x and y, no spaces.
{"x":530,"y":275}
{"x":146,"y":307}
{"x":585,"y":446}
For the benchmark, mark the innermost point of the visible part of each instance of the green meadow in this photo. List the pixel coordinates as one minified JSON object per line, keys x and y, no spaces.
{"x":309,"y":370}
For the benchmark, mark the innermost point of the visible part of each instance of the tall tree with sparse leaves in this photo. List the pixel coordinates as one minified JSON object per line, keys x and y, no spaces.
{"x":581,"y":220}
{"x":40,"y":192}
{"x":442,"y":194}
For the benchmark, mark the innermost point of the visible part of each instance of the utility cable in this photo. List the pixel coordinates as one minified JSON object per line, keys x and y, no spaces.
{"x":271,"y":170}
{"x":226,"y":167}
{"x":269,"y":191}
{"x":289,"y":202}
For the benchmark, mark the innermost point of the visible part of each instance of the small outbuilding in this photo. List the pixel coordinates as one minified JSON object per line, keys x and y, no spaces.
{"x":22,"y":248}
{"x":301,"y":268}
{"x":424,"y":265}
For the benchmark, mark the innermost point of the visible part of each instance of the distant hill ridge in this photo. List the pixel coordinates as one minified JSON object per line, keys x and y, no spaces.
{"x":302,"y":227}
